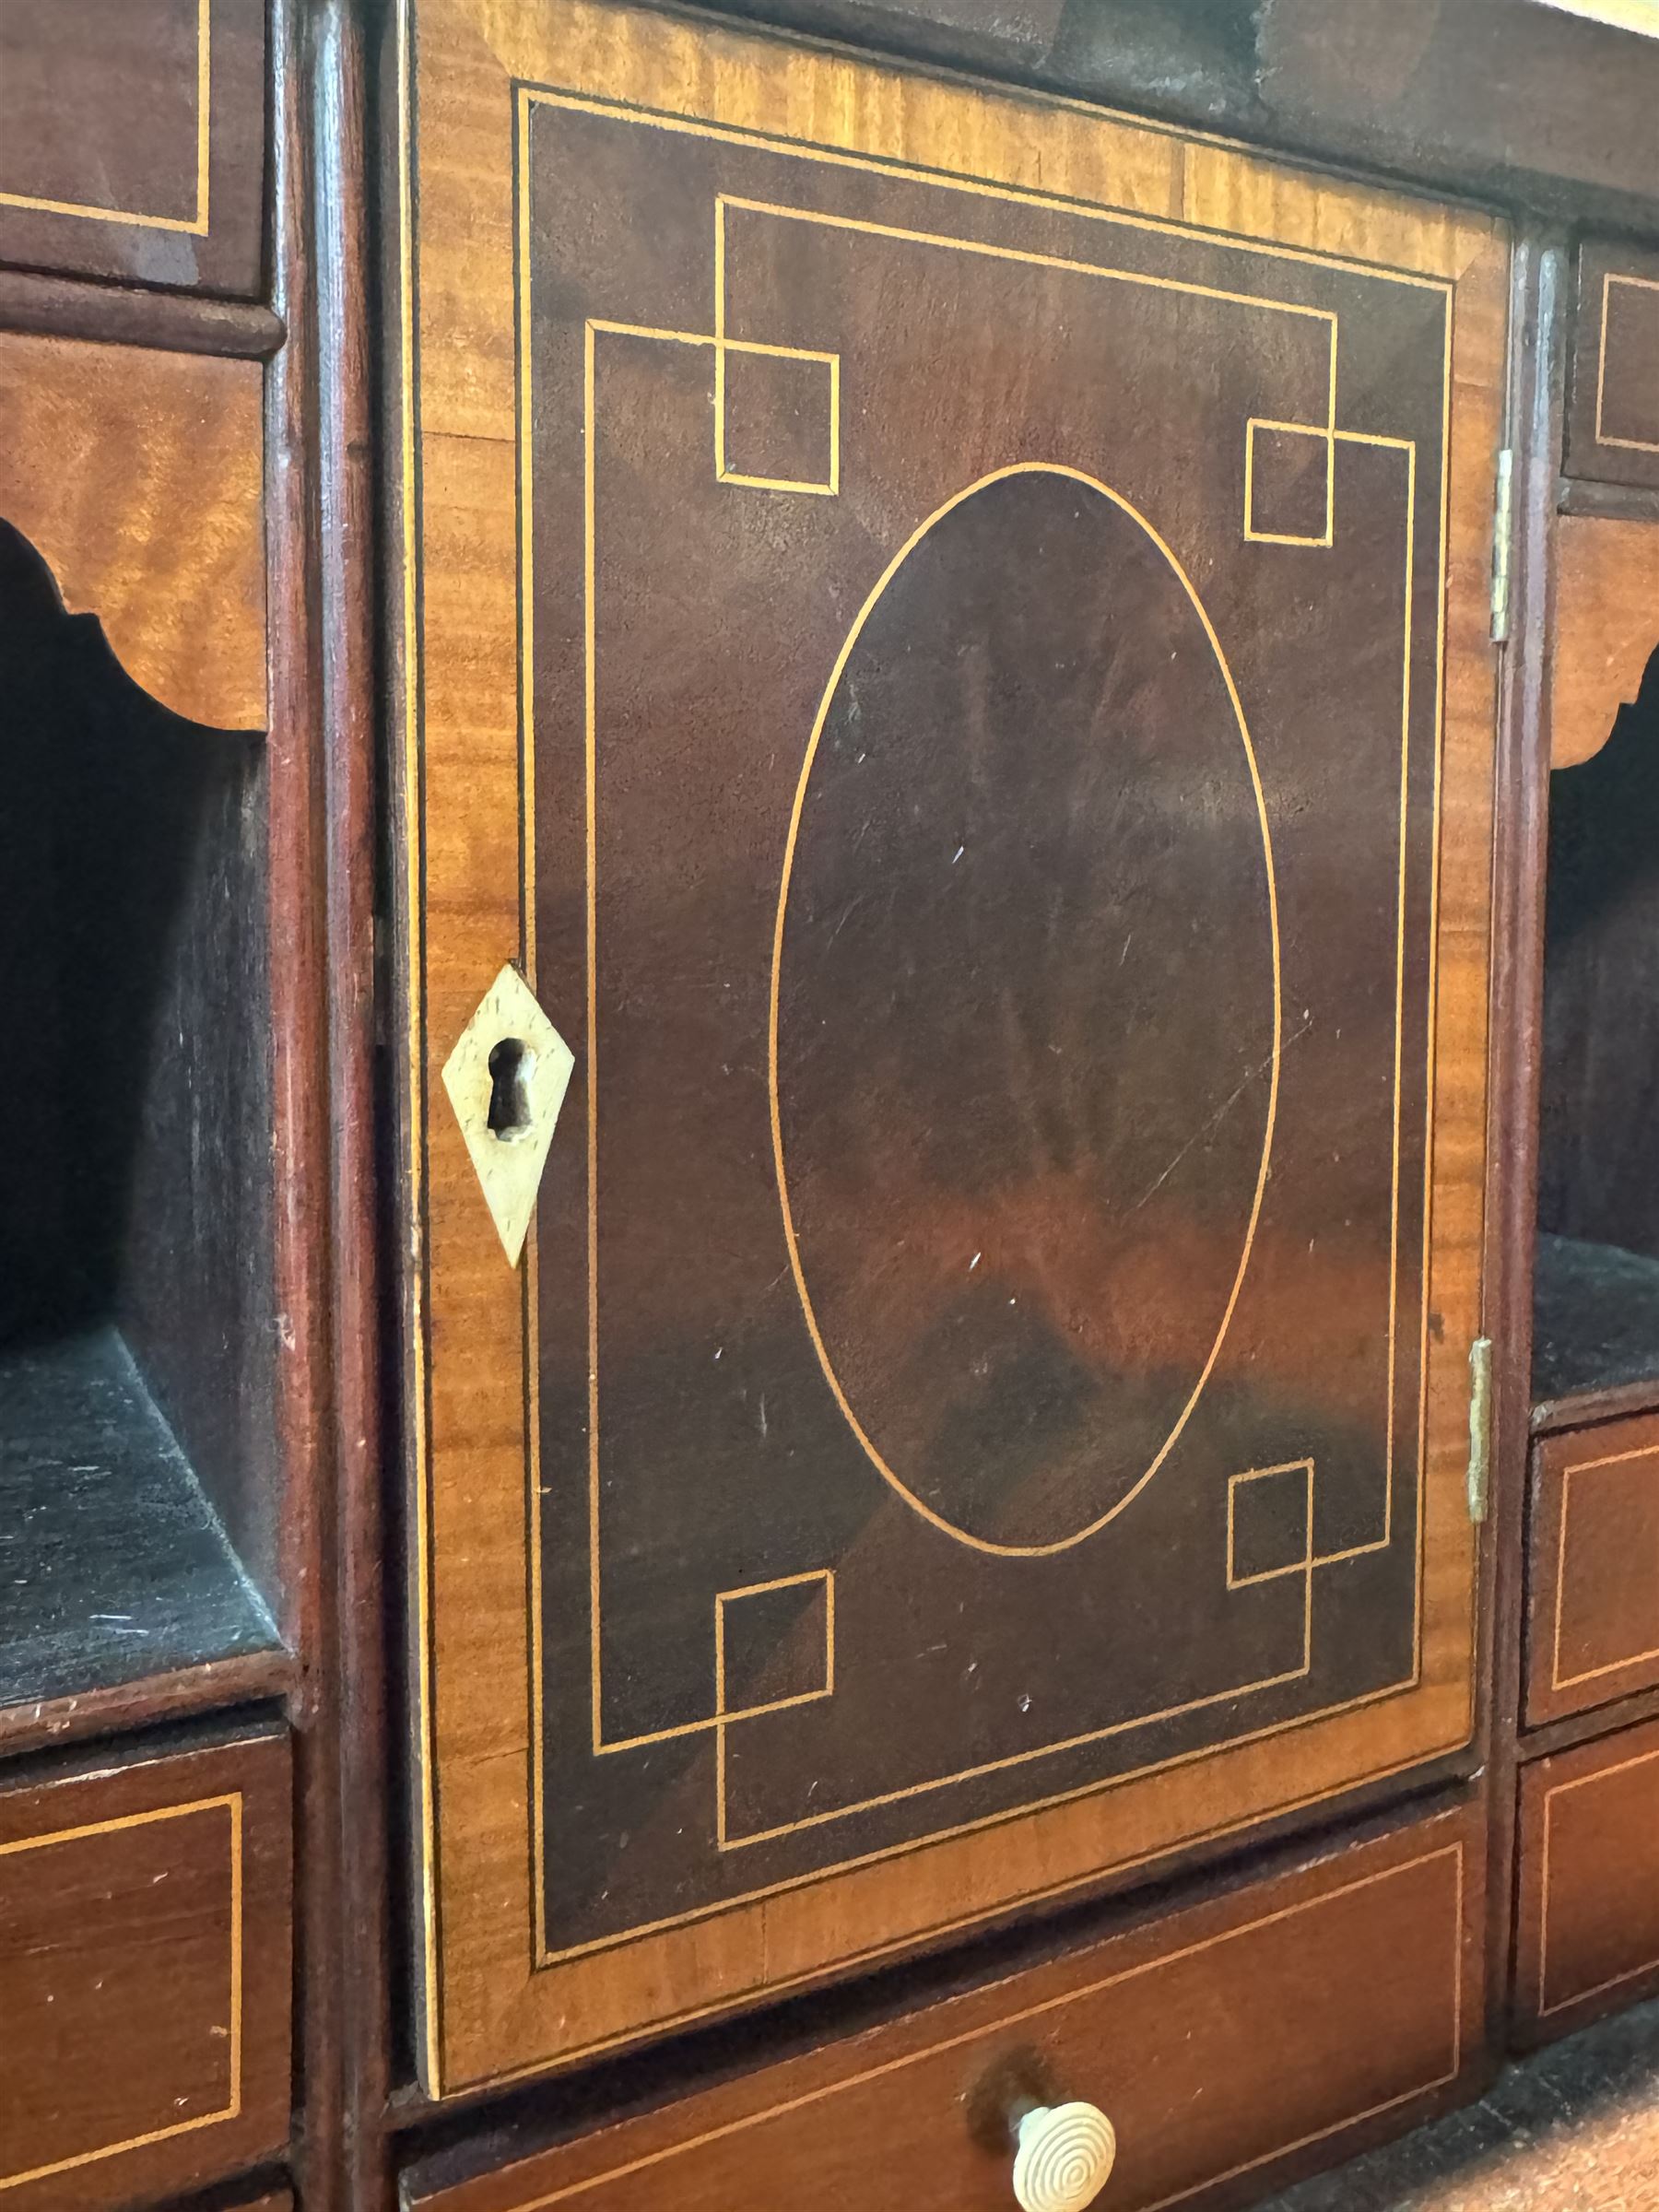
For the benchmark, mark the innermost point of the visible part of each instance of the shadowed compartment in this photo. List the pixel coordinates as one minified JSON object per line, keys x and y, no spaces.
{"x":135,"y":1321}
{"x":1597,"y":1278}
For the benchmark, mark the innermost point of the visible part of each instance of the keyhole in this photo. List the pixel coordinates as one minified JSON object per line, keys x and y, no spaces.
{"x":511,"y":1064}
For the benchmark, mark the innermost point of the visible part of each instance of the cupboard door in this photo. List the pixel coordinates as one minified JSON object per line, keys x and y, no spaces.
{"x":946,"y":813}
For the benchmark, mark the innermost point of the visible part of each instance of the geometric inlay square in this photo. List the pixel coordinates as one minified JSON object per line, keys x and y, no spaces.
{"x":1629,"y":399}
{"x":1269,"y":1522}
{"x":774,"y":1644}
{"x":779,"y":418}
{"x":1287,"y":484}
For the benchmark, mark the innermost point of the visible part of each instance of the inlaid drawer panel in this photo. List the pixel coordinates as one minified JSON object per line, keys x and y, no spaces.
{"x":1613,"y":403}
{"x":132,"y":140}
{"x":1218,"y":2043}
{"x":1587,"y":1938}
{"x":144,"y":1974}
{"x":1592,"y":1612}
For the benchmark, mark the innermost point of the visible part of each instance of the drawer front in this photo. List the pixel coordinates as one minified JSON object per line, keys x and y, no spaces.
{"x":906,"y":1204}
{"x":132,"y":140}
{"x":1613,"y":399}
{"x":144,"y":1975}
{"x":1587,"y":1937}
{"x":1230,"y":2037}
{"x":1592,"y":1600}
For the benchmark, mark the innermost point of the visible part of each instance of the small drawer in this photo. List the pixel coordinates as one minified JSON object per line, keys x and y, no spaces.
{"x":1587,"y":1938}
{"x":132,"y":140}
{"x":1291,"y":2016}
{"x":1613,"y":395}
{"x":144,"y":1974}
{"x":1593,"y":1571}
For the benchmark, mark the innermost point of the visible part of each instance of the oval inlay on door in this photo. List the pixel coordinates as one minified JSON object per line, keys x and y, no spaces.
{"x":1026,"y":1011}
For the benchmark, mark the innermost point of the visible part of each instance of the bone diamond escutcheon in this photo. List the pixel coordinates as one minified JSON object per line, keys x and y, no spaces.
{"x":507,"y":1079}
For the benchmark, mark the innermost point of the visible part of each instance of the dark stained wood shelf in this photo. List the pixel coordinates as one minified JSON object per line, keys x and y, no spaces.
{"x":113,"y":1565}
{"x":1595,"y":1333}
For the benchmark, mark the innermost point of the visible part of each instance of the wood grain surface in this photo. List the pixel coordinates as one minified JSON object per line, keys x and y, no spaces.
{"x":993,"y":34}
{"x":1540,"y":278}
{"x":1587,"y":1931}
{"x":319,"y":1532}
{"x":1613,"y":397}
{"x":145,"y":1916}
{"x":158,"y":530}
{"x":1563,"y":122}
{"x":1238,"y":2015}
{"x":64,"y":307}
{"x":132,"y":140}
{"x":1562,"y":128}
{"x":1605,"y":630}
{"x":169,"y":1694}
{"x":484,"y":2016}
{"x":1593,"y":1612}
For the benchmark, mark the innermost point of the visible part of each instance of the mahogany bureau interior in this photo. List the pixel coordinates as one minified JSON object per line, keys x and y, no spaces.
{"x":830,"y":1204}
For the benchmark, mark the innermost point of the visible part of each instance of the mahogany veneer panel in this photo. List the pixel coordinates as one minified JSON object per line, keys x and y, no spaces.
{"x":1218,"y":2041}
{"x":144,"y":1974}
{"x":1606,"y":627}
{"x":1592,"y":1602}
{"x":1613,"y":400}
{"x":132,"y":140}
{"x":890,"y":1338}
{"x":1587,"y":1931}
{"x":157,"y":527}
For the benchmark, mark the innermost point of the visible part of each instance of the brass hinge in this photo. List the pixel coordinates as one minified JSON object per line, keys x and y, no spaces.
{"x":1502,"y":531}
{"x":1480,"y":1426}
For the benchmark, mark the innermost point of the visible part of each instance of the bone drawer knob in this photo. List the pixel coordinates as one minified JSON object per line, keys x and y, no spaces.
{"x":1063,"y":2157}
